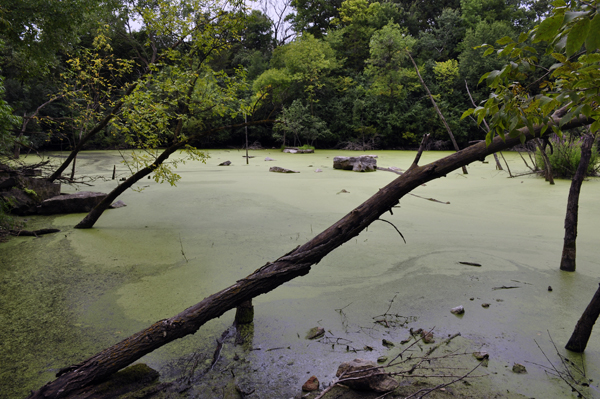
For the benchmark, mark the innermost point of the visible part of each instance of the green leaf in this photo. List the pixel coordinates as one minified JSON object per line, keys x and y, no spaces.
{"x":571,"y":15}
{"x":504,"y":40}
{"x":523,"y":36}
{"x":586,"y":110}
{"x":592,"y":42}
{"x":595,"y":126}
{"x":559,"y":3}
{"x":565,"y":119}
{"x":561,"y":43}
{"x":492,"y":76}
{"x":484,"y":77}
{"x":489,"y":51}
{"x":577,"y":36}
{"x":523,"y":138}
{"x":467,"y":113}
{"x":488,"y":138}
{"x":546,"y":31}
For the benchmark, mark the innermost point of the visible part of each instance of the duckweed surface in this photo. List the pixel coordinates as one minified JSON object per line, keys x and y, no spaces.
{"x":66,"y":296}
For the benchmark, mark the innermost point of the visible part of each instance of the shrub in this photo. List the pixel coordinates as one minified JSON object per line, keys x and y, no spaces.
{"x":565,"y":156}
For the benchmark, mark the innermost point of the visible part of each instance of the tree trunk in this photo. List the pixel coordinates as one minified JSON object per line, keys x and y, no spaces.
{"x":583,"y":329}
{"x":548,"y":168}
{"x":464,"y":168}
{"x":89,"y":135}
{"x":567,"y":262}
{"x":270,"y":276}
{"x":92,"y":217}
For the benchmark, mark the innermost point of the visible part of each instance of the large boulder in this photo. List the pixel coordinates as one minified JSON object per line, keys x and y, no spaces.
{"x":364,"y":375}
{"x":25,"y":193}
{"x":363,"y":163}
{"x":80,"y":202}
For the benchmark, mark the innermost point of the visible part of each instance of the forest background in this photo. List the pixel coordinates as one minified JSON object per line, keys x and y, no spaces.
{"x":336,"y":72}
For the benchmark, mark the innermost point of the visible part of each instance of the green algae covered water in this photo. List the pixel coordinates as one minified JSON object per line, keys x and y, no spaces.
{"x":64,"y":297}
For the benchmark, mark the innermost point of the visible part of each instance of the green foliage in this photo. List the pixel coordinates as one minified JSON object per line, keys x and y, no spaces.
{"x":572,"y":82}
{"x":8,"y":123}
{"x":565,"y":156}
{"x":388,"y":48}
{"x":297,"y":121}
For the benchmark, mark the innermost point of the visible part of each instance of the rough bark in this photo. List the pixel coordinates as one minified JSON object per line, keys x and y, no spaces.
{"x":270,"y":276}
{"x":437,"y":109}
{"x":583,"y":329}
{"x":567,"y":261}
{"x":91,"y":218}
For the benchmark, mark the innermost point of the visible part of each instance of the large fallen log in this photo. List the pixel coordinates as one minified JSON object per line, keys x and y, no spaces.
{"x":270,"y":276}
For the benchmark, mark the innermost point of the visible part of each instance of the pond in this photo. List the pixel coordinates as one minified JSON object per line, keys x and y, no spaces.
{"x":66,"y":296}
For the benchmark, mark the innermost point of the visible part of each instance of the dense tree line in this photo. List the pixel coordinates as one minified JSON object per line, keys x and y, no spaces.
{"x":340,"y":78}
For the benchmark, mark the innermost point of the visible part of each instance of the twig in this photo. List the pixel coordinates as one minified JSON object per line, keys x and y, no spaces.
{"x":430,"y":199}
{"x":505,"y":287}
{"x":182,"y":252}
{"x":442,"y":385}
{"x":383,"y":220}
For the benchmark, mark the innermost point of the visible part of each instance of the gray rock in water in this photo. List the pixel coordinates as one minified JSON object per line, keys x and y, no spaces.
{"x":269,"y":159}
{"x":363,"y":163}
{"x":117,"y":204}
{"x":318,"y":170}
{"x":226,"y":163}
{"x":83,"y":201}
{"x":293,"y":150}
{"x":277,"y":169}
{"x":364,"y":375}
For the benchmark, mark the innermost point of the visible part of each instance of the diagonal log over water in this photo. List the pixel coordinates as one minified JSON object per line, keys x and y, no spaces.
{"x":270,"y":276}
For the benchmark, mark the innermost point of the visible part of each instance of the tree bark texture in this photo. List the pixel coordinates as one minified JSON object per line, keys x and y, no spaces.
{"x":567,"y":261}
{"x":296,"y":263}
{"x":583,"y":329}
{"x":437,"y":109}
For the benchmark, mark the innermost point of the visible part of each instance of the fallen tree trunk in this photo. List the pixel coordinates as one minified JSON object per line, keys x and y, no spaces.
{"x":270,"y":276}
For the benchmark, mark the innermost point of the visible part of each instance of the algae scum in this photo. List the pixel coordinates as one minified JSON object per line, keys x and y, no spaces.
{"x":66,"y":296}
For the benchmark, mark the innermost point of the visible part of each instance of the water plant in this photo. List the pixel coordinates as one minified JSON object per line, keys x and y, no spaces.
{"x":564,"y":155}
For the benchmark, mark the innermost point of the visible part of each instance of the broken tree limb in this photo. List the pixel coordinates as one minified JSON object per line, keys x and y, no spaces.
{"x":437,"y":109}
{"x":270,"y":276}
{"x":92,"y":217}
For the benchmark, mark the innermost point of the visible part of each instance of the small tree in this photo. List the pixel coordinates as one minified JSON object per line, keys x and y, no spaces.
{"x":297,"y":121}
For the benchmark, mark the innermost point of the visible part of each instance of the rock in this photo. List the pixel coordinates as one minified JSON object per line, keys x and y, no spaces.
{"x":382,"y":359}
{"x":481,"y":355}
{"x":519,"y":368}
{"x":363,"y":163}
{"x":24,"y":194}
{"x":318,"y":170}
{"x":311,"y":385}
{"x":485,"y":305}
{"x":80,"y":202}
{"x":117,"y":204}
{"x":549,"y":288}
{"x":269,"y":159}
{"x":315,"y":332}
{"x":366,"y":376}
{"x":226,"y":163}
{"x":294,"y":150}
{"x":387,"y":343}
{"x":277,"y":169}
{"x":427,"y":337}
{"x":458,"y":310}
